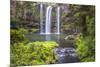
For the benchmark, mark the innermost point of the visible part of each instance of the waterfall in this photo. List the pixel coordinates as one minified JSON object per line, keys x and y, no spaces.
{"x":47,"y":28}
{"x":41,"y":19}
{"x":58,"y":20}
{"x":48,"y":20}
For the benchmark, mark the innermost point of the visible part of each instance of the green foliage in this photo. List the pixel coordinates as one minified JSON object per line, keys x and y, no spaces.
{"x":86,"y":40}
{"x":33,"y":53}
{"x":85,"y":48}
{"x":91,"y":25}
{"x":17,"y":35}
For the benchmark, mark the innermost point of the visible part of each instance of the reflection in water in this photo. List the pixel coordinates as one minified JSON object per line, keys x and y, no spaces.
{"x":42,"y":37}
{"x":52,"y":37}
{"x":47,"y":37}
{"x":58,"y":38}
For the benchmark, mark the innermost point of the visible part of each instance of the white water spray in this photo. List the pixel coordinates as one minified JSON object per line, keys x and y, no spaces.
{"x":48,"y":20}
{"x":58,"y":20}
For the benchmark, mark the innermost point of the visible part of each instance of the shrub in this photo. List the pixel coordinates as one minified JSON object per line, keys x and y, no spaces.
{"x":85,"y":48}
{"x":17,"y":35}
{"x":33,"y":53}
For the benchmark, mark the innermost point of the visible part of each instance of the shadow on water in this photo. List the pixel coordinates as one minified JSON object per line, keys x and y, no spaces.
{"x":66,"y":52}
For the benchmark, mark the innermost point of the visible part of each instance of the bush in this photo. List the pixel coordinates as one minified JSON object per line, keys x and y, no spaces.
{"x":17,"y":35}
{"x":85,"y":48}
{"x":33,"y":53}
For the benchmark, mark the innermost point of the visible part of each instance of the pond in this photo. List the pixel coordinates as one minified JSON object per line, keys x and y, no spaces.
{"x":43,"y":37}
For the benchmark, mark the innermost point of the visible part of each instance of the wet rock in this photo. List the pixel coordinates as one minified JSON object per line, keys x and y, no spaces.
{"x":66,"y":55}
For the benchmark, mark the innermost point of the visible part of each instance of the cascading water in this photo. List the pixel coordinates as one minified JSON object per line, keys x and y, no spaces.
{"x":41,"y":19}
{"x":48,"y":20}
{"x":58,"y":20}
{"x":46,"y":28}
